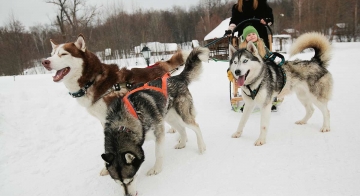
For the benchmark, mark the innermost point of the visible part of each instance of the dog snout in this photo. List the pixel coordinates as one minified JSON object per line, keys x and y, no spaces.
{"x":237,"y":72}
{"x":46,"y":64}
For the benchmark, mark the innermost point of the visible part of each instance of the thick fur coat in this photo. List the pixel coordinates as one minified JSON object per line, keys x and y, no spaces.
{"x":164,"y":99}
{"x":262,"y":81}
{"x":77,"y":67}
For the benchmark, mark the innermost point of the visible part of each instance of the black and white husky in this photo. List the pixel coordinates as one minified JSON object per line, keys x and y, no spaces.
{"x":262,"y":81}
{"x":141,"y":114}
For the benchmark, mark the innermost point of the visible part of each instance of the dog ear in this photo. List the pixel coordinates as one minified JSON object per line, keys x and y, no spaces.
{"x":232,"y":50}
{"x":53,"y":44}
{"x":80,"y":43}
{"x":252,"y":48}
{"x":129,"y":158}
{"x":108,"y":157}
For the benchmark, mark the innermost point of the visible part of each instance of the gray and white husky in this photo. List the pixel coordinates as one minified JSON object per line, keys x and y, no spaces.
{"x":261,"y":81}
{"x":141,"y":114}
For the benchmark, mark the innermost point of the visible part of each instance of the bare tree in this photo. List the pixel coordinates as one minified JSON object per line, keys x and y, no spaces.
{"x":41,"y":35}
{"x":116,"y":29}
{"x":356,"y":30}
{"x":15,"y":52}
{"x":73,"y":14}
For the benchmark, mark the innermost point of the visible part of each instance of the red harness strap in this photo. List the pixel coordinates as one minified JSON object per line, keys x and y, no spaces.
{"x":155,"y":64}
{"x":146,"y":86}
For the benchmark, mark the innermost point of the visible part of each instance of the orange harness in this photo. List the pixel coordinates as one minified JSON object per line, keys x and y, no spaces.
{"x":146,"y":86}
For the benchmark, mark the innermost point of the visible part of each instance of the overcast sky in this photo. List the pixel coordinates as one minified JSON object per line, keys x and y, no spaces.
{"x":33,"y":12}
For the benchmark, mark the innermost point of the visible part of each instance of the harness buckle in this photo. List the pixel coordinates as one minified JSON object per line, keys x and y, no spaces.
{"x":273,"y":56}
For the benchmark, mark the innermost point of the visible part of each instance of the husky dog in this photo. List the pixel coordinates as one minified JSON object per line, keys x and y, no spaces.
{"x":95,"y":84}
{"x":262,"y":81}
{"x":141,"y":114}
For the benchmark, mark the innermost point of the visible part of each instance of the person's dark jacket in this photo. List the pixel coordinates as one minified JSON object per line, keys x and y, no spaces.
{"x":263,"y":11}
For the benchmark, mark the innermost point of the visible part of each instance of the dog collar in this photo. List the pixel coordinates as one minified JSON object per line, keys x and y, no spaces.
{"x":115,"y":87}
{"x":82,"y":91}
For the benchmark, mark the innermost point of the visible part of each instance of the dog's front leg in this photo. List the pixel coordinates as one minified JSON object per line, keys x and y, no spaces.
{"x":159,"y":153}
{"x":264,"y":124}
{"x":248,"y":108}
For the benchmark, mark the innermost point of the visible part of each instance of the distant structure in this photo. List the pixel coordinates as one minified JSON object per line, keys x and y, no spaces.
{"x":219,"y":50}
{"x":281,"y":43}
{"x":293,"y":32}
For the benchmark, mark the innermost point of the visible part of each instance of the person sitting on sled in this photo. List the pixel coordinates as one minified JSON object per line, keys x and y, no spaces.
{"x":250,"y":9}
{"x":251,"y":34}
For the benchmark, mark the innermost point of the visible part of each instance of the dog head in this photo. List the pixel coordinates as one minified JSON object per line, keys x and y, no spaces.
{"x":70,"y":60}
{"x":123,"y":158}
{"x":245,"y":64}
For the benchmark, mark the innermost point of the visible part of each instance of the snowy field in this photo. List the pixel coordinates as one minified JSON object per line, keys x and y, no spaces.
{"x":50,"y":146}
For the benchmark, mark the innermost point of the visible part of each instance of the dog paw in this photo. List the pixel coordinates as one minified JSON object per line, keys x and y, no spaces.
{"x":180,"y":145}
{"x":180,"y":140}
{"x":171,"y":130}
{"x":259,"y":142}
{"x":300,"y":122}
{"x":104,"y":172}
{"x":153,"y":171}
{"x":325,"y":129}
{"x":202,"y":148}
{"x":236,"y":135}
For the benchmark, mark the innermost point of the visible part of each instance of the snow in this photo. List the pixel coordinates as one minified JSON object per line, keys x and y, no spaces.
{"x":219,"y":31}
{"x":50,"y":145}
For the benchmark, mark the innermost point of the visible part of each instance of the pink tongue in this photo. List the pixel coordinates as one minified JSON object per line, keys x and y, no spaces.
{"x":240,"y":81}
{"x":59,"y":75}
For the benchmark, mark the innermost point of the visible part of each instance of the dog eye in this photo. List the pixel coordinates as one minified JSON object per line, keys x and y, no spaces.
{"x":63,"y":54}
{"x":235,"y":62}
{"x":245,"y":60}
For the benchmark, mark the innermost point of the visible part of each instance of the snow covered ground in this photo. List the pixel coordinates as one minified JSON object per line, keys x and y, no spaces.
{"x":50,"y":146}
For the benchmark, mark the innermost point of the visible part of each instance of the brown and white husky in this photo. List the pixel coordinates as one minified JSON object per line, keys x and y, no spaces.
{"x":95,"y":84}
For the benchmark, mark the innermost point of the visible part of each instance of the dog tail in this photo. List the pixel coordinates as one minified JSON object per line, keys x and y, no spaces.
{"x":318,"y":42}
{"x":193,"y":64}
{"x":177,"y":59}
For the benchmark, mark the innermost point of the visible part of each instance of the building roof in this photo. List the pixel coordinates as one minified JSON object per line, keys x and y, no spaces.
{"x":219,"y":31}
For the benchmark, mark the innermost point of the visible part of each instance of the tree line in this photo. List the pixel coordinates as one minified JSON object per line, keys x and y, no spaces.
{"x":113,"y":27}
